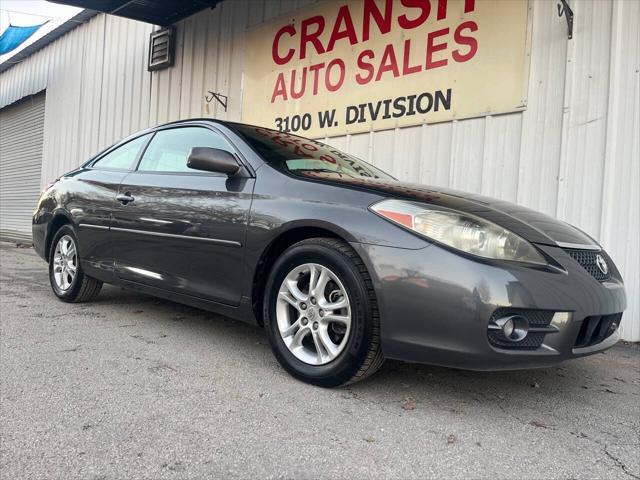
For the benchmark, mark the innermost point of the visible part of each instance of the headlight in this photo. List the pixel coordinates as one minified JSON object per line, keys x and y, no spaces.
{"x":459,"y":230}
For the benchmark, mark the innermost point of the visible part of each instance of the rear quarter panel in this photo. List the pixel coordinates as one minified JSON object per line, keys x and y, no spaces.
{"x":85,"y":199}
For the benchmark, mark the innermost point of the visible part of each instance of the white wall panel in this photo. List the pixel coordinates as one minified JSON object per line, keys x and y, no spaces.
{"x":501,"y":162}
{"x":542,"y":121}
{"x":573,"y":153}
{"x":435,"y":154}
{"x":620,"y":222}
{"x":91,"y":88}
{"x":466,"y":157}
{"x":585,"y":119}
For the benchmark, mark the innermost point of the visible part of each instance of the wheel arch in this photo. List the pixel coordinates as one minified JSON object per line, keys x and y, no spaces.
{"x":294,"y":233}
{"x":59,"y":219}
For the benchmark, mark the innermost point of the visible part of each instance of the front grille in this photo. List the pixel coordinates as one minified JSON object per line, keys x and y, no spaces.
{"x":536,"y":318}
{"x":596,"y":329}
{"x":587,"y":260}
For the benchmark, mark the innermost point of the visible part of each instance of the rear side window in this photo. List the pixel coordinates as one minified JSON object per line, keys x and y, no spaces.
{"x":124,"y":157}
{"x":169,"y":149}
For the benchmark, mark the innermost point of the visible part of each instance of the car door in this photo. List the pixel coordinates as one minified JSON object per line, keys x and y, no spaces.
{"x":92,"y":201}
{"x":179,"y":229}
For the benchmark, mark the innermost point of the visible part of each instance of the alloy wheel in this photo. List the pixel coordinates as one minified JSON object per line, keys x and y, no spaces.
{"x":65,"y":262}
{"x":313,"y":314}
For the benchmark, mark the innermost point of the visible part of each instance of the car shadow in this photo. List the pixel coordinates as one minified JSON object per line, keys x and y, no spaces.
{"x":407,"y":383}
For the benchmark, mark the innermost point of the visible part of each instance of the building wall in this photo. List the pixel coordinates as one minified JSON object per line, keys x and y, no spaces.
{"x":573,"y":153}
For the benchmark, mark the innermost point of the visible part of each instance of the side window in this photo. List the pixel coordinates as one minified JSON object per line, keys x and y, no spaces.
{"x":169,"y":149}
{"x":124,"y":157}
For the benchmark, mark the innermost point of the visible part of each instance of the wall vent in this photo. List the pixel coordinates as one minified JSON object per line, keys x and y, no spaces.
{"x":161,"y":49}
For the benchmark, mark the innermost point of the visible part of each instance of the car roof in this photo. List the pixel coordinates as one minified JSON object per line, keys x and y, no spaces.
{"x":154,"y":128}
{"x":203,"y":119}
{"x":187,"y":120}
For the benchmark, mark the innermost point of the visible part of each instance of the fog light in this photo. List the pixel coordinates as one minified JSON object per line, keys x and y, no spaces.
{"x":524,"y":329}
{"x":514,"y":328}
{"x":508,"y":327}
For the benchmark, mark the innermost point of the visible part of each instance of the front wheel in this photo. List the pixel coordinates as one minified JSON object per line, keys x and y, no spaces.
{"x":68,"y":280}
{"x":321,"y":314}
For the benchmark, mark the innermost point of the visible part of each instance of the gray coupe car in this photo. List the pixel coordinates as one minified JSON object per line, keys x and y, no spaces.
{"x":342,"y":264}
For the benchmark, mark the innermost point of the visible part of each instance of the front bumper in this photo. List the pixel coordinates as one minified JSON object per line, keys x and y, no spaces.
{"x":436,"y":305}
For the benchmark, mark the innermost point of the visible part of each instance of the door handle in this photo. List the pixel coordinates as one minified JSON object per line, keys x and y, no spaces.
{"x":124,"y":198}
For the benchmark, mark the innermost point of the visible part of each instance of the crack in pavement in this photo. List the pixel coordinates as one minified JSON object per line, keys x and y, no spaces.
{"x":620,"y":463}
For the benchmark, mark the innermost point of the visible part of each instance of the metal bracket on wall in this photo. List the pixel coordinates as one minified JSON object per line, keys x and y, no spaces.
{"x":564,"y":8}
{"x":220,"y":98}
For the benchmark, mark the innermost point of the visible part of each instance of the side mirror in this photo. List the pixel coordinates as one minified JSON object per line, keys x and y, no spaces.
{"x":212,"y":160}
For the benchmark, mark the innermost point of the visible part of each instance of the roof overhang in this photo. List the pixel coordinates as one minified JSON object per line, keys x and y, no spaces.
{"x":156,"y":12}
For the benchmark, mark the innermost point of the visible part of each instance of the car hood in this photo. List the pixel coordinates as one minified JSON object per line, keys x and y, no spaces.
{"x":533,"y":226}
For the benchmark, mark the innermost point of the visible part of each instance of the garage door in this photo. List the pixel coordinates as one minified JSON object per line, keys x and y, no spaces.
{"x":21,"y":135}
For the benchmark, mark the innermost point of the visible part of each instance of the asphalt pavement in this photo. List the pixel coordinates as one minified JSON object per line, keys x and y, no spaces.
{"x":132,"y":386}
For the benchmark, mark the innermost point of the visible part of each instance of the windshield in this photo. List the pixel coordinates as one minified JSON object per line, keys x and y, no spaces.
{"x":298,"y":154}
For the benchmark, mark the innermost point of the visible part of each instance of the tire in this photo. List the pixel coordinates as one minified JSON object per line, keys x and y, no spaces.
{"x":77,"y":287}
{"x":352,"y":351}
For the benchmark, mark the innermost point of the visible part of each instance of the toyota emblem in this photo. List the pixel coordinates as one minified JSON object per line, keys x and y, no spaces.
{"x":602,"y":264}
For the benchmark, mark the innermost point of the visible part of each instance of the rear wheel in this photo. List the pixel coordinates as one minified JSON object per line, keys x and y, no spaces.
{"x":321,"y":314}
{"x":68,"y":280}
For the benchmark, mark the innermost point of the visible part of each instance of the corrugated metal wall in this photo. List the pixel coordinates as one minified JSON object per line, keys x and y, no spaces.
{"x":574,"y":153}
